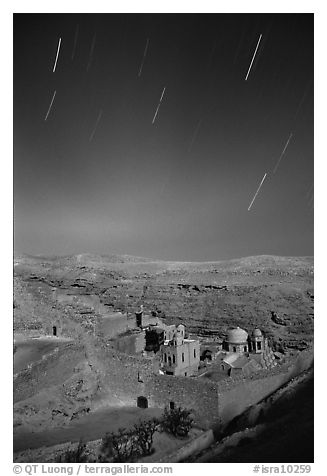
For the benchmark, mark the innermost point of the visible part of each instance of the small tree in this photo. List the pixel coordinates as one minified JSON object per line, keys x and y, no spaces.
{"x":177,"y":421}
{"x":116,"y":446}
{"x":74,"y":455}
{"x":128,"y":445}
{"x":144,"y":432}
{"x":107,"y":449}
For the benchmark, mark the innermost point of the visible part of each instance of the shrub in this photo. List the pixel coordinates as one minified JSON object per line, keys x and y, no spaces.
{"x":74,"y":455}
{"x":128,"y":445}
{"x":116,"y":446}
{"x":144,"y":432}
{"x":177,"y":421}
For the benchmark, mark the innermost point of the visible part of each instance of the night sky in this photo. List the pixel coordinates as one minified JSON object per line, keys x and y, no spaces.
{"x":96,"y":173}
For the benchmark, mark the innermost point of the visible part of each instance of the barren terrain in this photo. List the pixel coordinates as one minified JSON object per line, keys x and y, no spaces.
{"x":64,"y":379}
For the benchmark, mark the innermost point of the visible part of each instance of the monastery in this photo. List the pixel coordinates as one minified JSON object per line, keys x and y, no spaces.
{"x":246,"y":354}
{"x":239,"y":353}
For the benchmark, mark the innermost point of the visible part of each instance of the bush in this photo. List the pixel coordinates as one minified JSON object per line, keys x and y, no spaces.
{"x":144,"y":432}
{"x":116,"y":446}
{"x":76,"y":455}
{"x":177,"y":421}
{"x":128,"y":445}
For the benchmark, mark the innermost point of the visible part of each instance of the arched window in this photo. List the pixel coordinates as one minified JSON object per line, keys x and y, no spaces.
{"x":182,"y":356}
{"x":142,"y":402}
{"x":194,"y":353}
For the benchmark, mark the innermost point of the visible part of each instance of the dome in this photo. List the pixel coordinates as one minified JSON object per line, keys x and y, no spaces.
{"x":257,"y":333}
{"x":237,"y":336}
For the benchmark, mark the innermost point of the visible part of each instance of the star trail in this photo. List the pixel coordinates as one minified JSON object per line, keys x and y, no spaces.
{"x":149,"y":116}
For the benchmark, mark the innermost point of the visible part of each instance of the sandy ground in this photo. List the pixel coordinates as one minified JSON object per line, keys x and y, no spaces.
{"x":163,"y":445}
{"x":90,"y":427}
{"x":29,"y":350}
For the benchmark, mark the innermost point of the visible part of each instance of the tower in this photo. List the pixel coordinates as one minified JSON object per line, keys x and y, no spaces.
{"x":138,"y":315}
{"x":257,"y":341}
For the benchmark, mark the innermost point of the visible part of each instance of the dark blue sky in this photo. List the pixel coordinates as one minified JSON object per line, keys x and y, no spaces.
{"x":179,"y":188}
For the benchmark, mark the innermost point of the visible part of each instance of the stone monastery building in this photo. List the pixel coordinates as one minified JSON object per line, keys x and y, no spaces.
{"x":239,"y":353}
{"x":238,"y":341}
{"x":179,"y":356}
{"x":246,"y":354}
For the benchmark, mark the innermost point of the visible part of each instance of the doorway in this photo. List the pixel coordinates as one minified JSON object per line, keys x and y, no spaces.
{"x":142,"y":402}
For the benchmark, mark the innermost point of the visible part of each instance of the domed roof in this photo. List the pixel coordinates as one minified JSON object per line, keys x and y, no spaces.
{"x":237,"y":336}
{"x":257,"y":333}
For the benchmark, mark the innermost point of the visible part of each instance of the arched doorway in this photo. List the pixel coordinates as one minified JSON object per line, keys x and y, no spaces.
{"x":142,"y":402}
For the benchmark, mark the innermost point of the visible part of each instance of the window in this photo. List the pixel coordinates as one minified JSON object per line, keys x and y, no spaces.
{"x":174,"y":360}
{"x":142,"y":402}
{"x":194,"y":352}
{"x":234,"y":349}
{"x":182,"y":356}
{"x":165,"y":357}
{"x":259,"y":345}
{"x":169,"y":360}
{"x":245,"y":348}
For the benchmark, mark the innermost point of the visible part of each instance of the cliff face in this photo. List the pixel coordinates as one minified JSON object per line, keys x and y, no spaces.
{"x":272,"y":293}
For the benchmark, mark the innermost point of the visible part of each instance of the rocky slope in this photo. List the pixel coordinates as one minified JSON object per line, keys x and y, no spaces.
{"x":207,"y":297}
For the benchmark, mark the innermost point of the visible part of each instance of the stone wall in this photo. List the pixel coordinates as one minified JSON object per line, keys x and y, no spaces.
{"x":116,"y":323}
{"x":197,"y":395}
{"x":236,"y":396}
{"x":215,"y":404}
{"x":246,"y":393}
{"x":131,"y":344}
